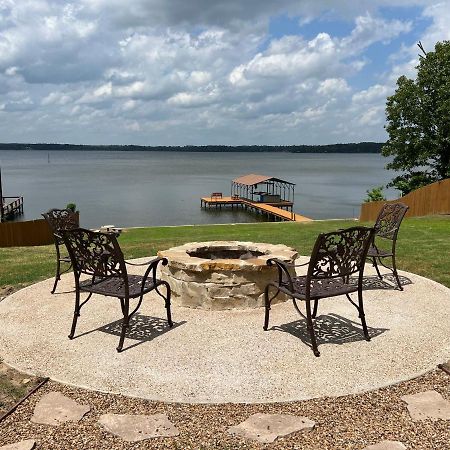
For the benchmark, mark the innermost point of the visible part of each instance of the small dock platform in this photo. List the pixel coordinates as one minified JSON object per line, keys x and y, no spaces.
{"x":10,"y":207}
{"x":265,"y":208}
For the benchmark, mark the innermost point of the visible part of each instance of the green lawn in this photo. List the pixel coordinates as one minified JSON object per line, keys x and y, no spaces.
{"x":423,"y":246}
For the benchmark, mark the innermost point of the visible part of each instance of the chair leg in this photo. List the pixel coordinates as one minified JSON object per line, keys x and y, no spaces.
{"x":124,"y":303}
{"x":57,"y":278}
{"x":394,"y":271}
{"x":76,"y":313}
{"x":374,"y":262}
{"x":362,"y":315}
{"x":267,"y":308}
{"x":310,"y":326}
{"x":166,"y":298}
{"x":316,"y":304}
{"x":167,"y":304}
{"x":58,"y":269}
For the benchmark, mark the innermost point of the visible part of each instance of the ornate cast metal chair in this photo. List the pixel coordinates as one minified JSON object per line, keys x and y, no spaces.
{"x":98,"y":255}
{"x":58,"y":220}
{"x":386,"y":229}
{"x":335,"y":257}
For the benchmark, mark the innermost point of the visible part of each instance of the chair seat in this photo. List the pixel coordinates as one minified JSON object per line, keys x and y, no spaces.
{"x":115,"y":287}
{"x":373,"y":251}
{"x":329,"y":287}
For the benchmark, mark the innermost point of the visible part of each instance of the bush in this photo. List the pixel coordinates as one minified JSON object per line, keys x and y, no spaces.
{"x":71,"y":206}
{"x":375,"y":195}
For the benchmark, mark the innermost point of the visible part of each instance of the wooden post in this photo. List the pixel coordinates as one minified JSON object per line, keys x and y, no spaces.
{"x":1,"y":196}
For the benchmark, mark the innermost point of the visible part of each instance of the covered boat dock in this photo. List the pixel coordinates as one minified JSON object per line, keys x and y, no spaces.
{"x":264,"y":194}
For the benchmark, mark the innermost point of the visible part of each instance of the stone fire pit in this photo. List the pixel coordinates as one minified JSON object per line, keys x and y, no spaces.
{"x":222,"y":275}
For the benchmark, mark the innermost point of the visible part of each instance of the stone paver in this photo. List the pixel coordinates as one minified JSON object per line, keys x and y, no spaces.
{"x":133,"y":428}
{"x":427,"y":405}
{"x":386,"y":445}
{"x":55,"y":408}
{"x":267,"y":428}
{"x":446,"y":366}
{"x":29,"y":444}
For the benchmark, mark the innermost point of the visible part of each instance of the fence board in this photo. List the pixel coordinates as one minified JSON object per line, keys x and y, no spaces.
{"x":25,"y":234}
{"x":428,"y":200}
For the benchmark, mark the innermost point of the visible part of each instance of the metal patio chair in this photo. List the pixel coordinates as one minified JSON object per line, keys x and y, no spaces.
{"x":335,"y":257}
{"x":98,"y":255}
{"x":386,"y":229}
{"x":58,"y":220}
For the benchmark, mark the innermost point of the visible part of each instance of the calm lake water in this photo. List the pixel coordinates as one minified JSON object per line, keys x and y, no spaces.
{"x":158,"y":188}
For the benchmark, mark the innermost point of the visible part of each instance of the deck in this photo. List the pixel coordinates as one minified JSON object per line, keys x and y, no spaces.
{"x":265,"y":208}
{"x":11,"y":207}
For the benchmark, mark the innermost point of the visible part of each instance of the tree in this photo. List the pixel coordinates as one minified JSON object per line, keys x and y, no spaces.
{"x":418,"y":123}
{"x":375,"y":195}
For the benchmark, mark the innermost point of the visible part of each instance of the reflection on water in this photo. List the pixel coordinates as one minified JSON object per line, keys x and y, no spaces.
{"x":157,"y":188}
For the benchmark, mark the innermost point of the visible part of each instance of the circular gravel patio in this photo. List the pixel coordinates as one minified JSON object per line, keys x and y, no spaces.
{"x":225,"y":356}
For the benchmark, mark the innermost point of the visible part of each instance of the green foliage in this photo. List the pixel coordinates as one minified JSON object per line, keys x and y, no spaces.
{"x":71,"y":206}
{"x":418,"y":123}
{"x":423,"y":245}
{"x":411,"y":181}
{"x":375,"y":195}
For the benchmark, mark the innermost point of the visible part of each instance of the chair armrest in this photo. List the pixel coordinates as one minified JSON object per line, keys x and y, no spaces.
{"x":283,"y":273}
{"x":146,"y":263}
{"x":153,"y":264}
{"x":295,"y":265}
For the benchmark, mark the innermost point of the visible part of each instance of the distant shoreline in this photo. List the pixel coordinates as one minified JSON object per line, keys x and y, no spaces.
{"x":361,"y":147}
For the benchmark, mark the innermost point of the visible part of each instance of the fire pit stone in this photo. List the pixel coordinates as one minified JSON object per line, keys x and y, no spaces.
{"x":222,"y":275}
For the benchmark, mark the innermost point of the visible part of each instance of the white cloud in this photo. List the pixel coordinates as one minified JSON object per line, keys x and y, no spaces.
{"x":333,"y":86}
{"x":108,"y":70}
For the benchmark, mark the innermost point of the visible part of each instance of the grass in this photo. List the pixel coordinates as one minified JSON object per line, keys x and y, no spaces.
{"x":423,"y":246}
{"x":9,"y":393}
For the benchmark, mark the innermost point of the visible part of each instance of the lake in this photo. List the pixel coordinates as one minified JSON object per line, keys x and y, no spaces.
{"x":137,"y":188}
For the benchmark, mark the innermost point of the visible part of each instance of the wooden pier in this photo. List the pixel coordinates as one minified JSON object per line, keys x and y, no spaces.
{"x":264,"y":194}
{"x":11,"y":207}
{"x":275,"y":212}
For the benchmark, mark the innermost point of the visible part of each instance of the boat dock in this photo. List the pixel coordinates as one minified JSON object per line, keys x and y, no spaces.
{"x":263,"y":194}
{"x":11,"y":207}
{"x":272,"y":211}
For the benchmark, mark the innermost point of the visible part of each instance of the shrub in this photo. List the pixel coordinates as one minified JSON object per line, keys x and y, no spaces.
{"x":375,"y":195}
{"x":71,"y":206}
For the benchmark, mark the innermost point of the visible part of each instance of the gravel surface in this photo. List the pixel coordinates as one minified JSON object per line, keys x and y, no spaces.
{"x":350,"y":422}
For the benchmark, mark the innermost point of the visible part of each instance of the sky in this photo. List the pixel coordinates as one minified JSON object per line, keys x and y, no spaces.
{"x":199,"y":72}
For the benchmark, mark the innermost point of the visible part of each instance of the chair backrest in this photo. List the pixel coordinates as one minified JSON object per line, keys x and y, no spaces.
{"x":61,"y":219}
{"x":340,"y":253}
{"x":94,"y":253}
{"x":389,"y":219}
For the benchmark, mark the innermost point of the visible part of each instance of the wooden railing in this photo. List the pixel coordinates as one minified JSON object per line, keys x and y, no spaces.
{"x":428,"y":200}
{"x":25,"y":234}
{"x":11,"y":206}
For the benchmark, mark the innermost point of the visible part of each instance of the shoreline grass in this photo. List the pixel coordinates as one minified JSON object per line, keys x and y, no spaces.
{"x":423,"y":246}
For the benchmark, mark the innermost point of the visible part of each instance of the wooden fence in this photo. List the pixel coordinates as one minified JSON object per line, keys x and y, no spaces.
{"x":25,"y":234}
{"x":428,"y":200}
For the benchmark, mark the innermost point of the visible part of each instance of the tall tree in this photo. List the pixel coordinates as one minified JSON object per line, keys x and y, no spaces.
{"x":418,"y":123}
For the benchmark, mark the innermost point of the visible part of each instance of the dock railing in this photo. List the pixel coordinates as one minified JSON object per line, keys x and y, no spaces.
{"x":10,"y":208}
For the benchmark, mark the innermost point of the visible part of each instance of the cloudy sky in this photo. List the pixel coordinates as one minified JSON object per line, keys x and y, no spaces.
{"x":180,"y":72}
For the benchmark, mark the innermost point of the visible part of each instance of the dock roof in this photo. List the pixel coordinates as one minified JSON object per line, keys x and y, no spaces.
{"x":254,"y":179}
